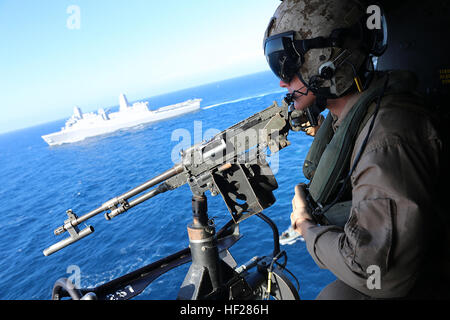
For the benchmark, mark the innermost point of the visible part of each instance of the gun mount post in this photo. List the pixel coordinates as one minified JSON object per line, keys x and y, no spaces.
{"x":204,"y":275}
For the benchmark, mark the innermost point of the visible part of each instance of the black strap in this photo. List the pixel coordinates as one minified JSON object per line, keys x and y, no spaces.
{"x":337,"y":38}
{"x":302,"y":46}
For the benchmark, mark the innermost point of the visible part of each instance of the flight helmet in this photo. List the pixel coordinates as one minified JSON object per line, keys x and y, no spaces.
{"x":327,"y":43}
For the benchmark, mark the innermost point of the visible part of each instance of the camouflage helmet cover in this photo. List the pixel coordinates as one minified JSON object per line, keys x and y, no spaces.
{"x":315,"y":18}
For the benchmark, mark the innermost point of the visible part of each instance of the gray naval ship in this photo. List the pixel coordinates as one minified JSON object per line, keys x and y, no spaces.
{"x":83,"y":125}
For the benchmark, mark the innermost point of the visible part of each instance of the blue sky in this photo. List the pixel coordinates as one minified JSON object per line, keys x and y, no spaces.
{"x":138,"y":47}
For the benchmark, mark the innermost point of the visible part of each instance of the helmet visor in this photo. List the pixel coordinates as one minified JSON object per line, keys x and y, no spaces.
{"x":281,"y":55}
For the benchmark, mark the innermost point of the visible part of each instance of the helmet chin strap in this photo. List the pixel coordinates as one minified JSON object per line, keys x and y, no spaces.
{"x":319,"y":104}
{"x":322,"y":94}
{"x":316,"y":109}
{"x":313,"y":111}
{"x":290,"y":97}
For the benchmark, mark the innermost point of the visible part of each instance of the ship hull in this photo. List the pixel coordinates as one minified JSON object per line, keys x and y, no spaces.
{"x":79,"y":133}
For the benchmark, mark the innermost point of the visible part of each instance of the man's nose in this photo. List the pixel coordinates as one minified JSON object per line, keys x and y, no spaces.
{"x":283,"y":84}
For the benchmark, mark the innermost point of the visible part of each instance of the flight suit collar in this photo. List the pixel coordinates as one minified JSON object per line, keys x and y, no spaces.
{"x":337,"y":121}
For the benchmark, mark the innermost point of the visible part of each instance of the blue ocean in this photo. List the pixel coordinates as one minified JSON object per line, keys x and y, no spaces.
{"x":39,"y":183}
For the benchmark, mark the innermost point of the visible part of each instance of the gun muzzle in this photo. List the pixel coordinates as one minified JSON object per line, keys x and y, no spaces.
{"x":64,"y":243}
{"x":117,"y":206}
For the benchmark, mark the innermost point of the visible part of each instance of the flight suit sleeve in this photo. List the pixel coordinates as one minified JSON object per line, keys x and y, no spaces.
{"x":363,"y":242}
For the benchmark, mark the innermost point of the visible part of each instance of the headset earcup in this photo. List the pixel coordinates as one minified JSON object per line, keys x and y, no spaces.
{"x":326,"y":70}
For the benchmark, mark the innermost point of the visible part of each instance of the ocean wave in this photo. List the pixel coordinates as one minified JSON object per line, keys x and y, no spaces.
{"x":243,"y":99}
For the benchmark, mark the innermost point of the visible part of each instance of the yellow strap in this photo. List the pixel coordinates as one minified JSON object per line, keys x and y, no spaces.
{"x":358,"y":83}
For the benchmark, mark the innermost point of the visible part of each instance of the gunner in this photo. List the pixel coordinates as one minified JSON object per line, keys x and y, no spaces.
{"x":367,"y":214}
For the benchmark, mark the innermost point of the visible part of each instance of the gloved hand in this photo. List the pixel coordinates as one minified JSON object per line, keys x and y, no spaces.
{"x":300,"y":216}
{"x":311,"y":131}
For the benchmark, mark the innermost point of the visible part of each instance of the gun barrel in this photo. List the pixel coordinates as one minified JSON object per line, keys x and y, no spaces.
{"x":154,"y":181}
{"x":117,"y":200}
{"x":160,"y":189}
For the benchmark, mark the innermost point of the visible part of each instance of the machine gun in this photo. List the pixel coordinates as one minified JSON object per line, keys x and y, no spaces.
{"x":232,"y":164}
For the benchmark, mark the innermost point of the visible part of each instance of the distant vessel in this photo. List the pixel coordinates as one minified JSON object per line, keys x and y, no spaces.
{"x":83,"y":125}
